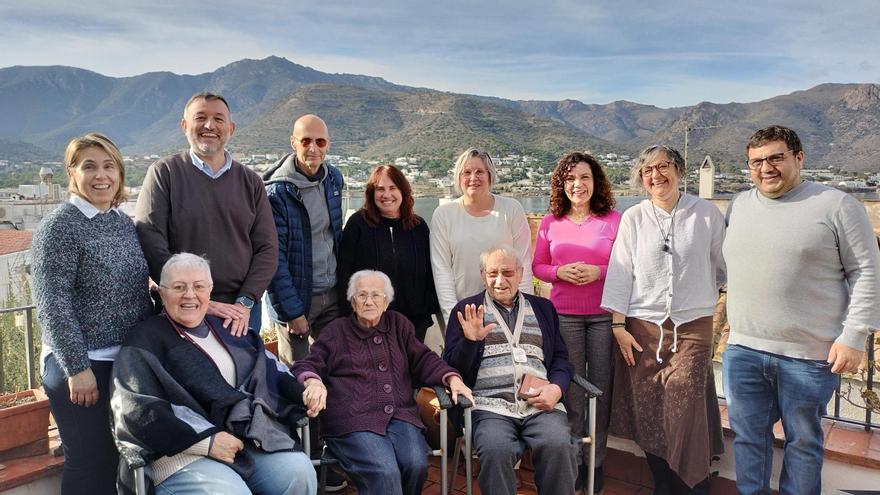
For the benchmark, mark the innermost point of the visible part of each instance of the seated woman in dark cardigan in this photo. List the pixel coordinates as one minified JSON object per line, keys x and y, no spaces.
{"x":363,"y":368}
{"x":209,"y":412}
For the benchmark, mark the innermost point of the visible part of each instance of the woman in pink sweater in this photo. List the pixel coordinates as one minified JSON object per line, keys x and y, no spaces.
{"x":572,"y":251}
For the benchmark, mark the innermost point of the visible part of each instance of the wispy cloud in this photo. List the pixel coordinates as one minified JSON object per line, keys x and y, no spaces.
{"x":662,"y":53}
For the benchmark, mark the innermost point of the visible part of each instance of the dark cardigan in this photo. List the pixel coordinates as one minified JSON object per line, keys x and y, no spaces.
{"x":159,"y":373}
{"x":370,"y":373}
{"x":465,"y":355}
{"x":403,"y":255}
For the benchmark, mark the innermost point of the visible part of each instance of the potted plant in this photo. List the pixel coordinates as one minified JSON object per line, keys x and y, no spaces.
{"x":24,"y":421}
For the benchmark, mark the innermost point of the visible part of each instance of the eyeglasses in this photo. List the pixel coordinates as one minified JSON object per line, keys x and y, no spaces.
{"x":182,"y":288}
{"x":648,"y":170}
{"x":319,"y":142}
{"x":504,"y":273}
{"x":377,"y":297}
{"x":773,"y":160}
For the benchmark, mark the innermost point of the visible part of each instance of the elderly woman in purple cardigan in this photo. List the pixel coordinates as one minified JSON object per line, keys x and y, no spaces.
{"x":362,"y":370}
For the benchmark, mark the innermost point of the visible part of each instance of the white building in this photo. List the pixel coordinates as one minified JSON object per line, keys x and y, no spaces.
{"x":15,"y":246}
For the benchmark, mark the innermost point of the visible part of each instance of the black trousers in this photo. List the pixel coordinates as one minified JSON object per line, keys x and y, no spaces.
{"x":90,"y":456}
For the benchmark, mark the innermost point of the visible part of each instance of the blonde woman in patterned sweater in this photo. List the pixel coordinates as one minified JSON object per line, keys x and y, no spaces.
{"x":90,"y":289}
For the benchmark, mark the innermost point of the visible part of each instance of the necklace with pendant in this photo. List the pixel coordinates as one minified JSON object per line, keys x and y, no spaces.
{"x":665,"y":235}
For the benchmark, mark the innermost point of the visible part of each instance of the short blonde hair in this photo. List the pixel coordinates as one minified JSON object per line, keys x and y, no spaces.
{"x":74,"y":151}
{"x":463,"y":159}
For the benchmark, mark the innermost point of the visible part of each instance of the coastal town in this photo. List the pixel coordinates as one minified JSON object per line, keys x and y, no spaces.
{"x":23,"y":205}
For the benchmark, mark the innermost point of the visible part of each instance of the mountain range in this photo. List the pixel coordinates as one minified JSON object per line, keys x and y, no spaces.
{"x":41,"y":108}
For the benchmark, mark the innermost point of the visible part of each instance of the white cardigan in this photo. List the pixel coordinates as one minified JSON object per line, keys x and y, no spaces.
{"x":458,"y":238}
{"x":682,"y":284}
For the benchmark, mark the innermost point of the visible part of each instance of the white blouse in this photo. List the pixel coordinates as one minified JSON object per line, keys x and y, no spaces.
{"x":654,"y":285}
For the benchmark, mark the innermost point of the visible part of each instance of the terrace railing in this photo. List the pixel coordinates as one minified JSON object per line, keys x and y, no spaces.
{"x":868,"y":422}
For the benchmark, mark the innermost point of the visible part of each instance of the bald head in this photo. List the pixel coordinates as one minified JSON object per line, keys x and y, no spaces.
{"x":310,"y":140}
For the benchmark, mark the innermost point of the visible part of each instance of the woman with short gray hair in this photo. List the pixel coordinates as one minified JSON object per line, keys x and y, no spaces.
{"x":661,"y":287}
{"x":222,"y":414}
{"x":362,"y":370}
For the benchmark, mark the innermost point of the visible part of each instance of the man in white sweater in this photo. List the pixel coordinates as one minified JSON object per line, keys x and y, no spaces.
{"x":803,"y":268}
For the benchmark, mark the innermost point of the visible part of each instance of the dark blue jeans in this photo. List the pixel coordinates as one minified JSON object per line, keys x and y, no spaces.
{"x":762,"y":388}
{"x":392,"y":464}
{"x":90,"y":456}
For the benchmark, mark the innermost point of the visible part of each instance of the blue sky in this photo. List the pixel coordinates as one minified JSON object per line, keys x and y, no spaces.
{"x":654,"y":52}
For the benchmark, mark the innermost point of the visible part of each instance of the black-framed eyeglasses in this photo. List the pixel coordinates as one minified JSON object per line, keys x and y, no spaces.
{"x":774,"y":160}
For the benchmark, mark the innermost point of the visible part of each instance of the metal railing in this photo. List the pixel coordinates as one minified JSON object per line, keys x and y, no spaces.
{"x":867,"y":424}
{"x":30,"y":361}
{"x":869,"y":384}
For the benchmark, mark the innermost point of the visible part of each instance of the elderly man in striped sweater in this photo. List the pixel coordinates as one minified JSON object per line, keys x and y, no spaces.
{"x":509,"y":351}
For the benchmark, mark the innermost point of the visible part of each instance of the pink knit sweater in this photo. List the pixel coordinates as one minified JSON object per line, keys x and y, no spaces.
{"x":561,"y":241}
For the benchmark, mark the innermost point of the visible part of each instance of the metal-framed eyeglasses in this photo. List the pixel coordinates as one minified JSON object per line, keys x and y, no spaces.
{"x":376,"y":297}
{"x":774,"y":160}
{"x":181,"y":288}
{"x":662,"y":167}
{"x":307,"y":141}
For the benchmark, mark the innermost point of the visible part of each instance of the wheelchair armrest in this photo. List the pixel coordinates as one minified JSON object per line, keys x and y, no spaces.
{"x":590,"y":389}
{"x":132,"y":459}
{"x":446,"y":400}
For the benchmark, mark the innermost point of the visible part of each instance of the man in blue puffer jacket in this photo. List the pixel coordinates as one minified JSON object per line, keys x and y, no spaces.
{"x":306,"y":198}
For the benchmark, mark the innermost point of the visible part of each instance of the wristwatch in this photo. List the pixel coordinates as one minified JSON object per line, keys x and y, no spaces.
{"x":245,"y":301}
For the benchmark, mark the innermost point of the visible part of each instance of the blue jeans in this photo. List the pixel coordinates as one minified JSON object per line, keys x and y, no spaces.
{"x":90,"y":456}
{"x":281,"y":473}
{"x":392,"y":464}
{"x":762,"y":388}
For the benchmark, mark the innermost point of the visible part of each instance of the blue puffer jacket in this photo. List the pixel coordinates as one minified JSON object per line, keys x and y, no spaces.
{"x":290,"y":291}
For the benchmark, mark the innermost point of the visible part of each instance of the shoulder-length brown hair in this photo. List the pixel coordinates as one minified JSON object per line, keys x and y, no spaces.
{"x":370,"y":211}
{"x":602,"y":200}
{"x":74,"y":151}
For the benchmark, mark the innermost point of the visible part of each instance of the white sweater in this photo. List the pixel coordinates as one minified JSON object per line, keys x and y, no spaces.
{"x":458,"y":238}
{"x":647,"y":283}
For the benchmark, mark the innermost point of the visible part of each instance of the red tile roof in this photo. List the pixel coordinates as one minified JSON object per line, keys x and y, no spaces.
{"x":13,"y":241}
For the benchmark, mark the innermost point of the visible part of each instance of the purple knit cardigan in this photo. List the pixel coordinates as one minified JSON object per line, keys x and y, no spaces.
{"x":370,"y":373}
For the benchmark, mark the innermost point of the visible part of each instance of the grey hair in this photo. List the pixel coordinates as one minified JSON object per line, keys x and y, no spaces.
{"x":647,"y":155}
{"x":358,"y":275}
{"x":463,"y":159}
{"x":505,"y":250}
{"x":184,"y":260}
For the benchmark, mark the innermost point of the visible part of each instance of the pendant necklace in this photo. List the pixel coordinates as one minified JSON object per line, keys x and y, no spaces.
{"x":665,"y":235}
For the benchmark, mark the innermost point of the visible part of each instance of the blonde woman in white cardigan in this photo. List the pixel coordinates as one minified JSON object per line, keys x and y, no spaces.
{"x":473,"y":223}
{"x":661,"y":287}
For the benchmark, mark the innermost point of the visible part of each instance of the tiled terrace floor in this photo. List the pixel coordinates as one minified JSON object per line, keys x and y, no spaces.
{"x":625,"y":474}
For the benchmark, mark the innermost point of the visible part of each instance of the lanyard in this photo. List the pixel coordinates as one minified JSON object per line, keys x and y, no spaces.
{"x":517,"y":353}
